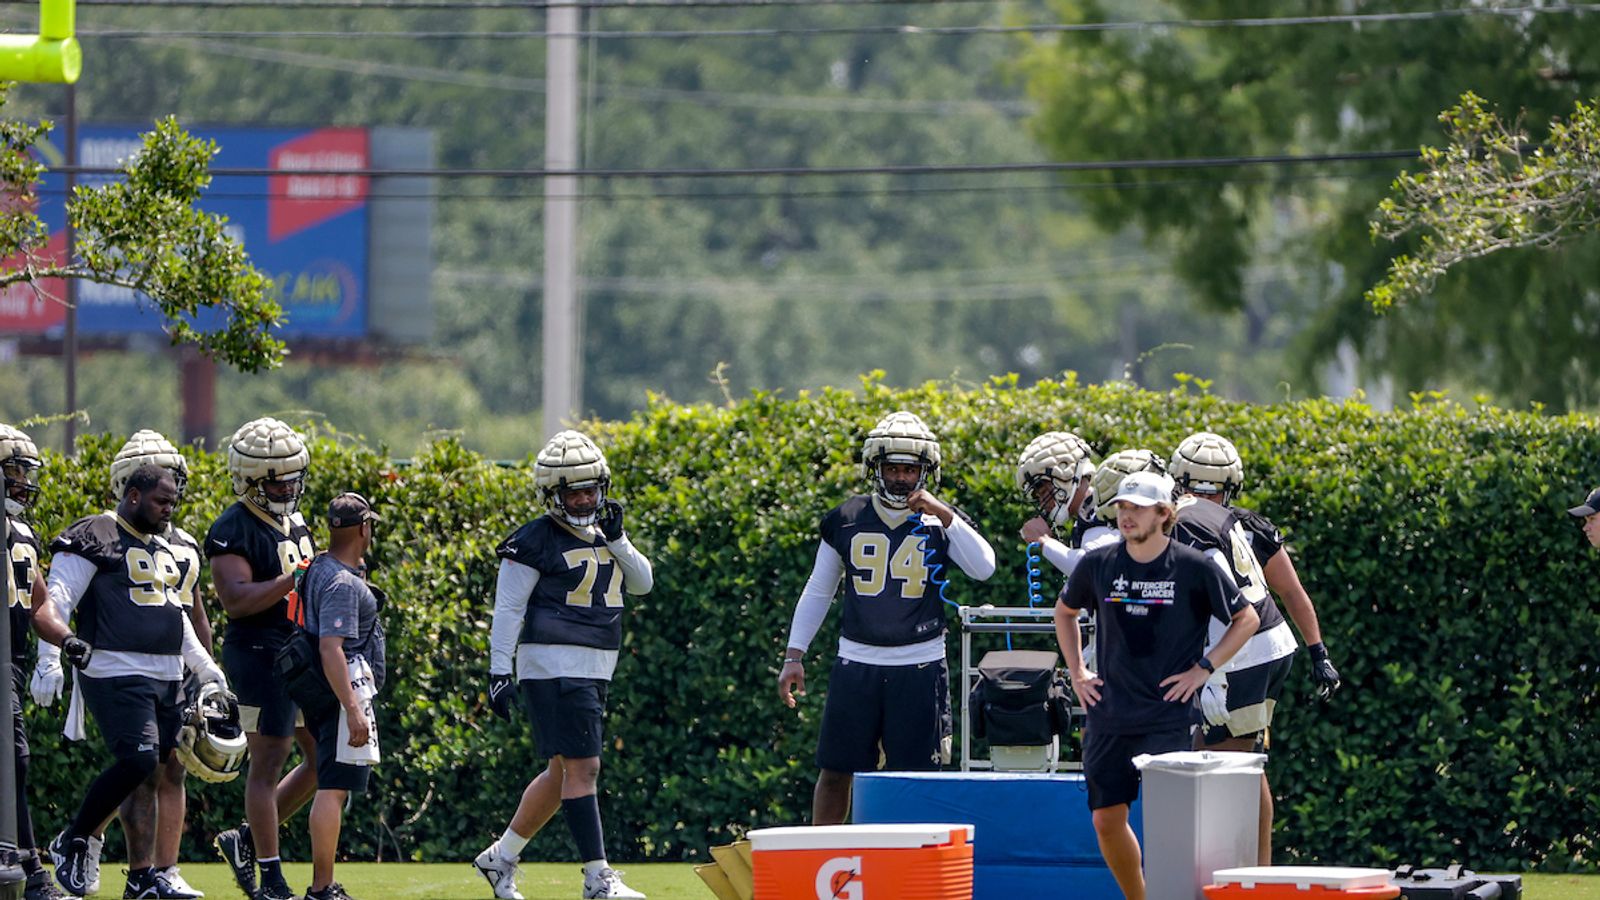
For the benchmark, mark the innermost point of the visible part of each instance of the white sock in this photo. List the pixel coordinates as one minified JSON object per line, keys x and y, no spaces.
{"x":511,"y":845}
{"x":594,"y":867}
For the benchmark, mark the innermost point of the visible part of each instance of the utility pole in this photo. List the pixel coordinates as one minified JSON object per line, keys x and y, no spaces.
{"x":563,"y":335}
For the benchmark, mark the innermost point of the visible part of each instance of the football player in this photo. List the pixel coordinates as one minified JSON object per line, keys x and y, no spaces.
{"x":1054,"y":474}
{"x":19,"y":459}
{"x":149,"y":447}
{"x":558,"y":612}
{"x":255,"y":546}
{"x":890,"y":685}
{"x":121,"y":577}
{"x":1209,"y":473}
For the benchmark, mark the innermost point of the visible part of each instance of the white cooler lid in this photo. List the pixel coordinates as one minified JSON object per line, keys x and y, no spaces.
{"x":853,"y":837}
{"x":1303,"y":877}
{"x":1197,"y":762}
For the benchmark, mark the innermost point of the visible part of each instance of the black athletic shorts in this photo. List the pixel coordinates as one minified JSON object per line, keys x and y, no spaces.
{"x":135,"y":714}
{"x":1252,"y":698}
{"x":905,"y":710}
{"x":18,"y":728}
{"x":1108,"y":762}
{"x":264,"y":704}
{"x":568,"y":714}
{"x":333,"y":775}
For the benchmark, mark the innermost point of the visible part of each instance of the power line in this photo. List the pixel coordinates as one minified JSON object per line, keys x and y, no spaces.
{"x":907,"y":30}
{"x":1212,"y":162}
{"x":469,"y":5}
{"x":867,"y":191}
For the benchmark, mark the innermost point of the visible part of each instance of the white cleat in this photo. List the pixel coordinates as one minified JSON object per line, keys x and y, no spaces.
{"x":606,"y":884}
{"x":501,"y":873}
{"x":91,"y":864}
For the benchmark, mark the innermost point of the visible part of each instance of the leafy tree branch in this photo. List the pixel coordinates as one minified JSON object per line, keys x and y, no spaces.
{"x":142,"y":231}
{"x":1490,"y":189}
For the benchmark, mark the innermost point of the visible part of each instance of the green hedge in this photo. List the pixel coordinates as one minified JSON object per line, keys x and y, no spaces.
{"x":1455,"y":594}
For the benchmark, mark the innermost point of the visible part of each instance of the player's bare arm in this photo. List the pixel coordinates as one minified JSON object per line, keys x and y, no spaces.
{"x":238,"y":591}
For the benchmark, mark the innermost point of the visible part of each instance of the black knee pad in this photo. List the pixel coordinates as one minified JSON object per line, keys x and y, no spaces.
{"x":142,"y":763}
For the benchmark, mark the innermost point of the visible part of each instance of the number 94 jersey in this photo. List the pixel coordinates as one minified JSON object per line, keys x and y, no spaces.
{"x":578,"y":598}
{"x":132,"y":603}
{"x":891,"y":594}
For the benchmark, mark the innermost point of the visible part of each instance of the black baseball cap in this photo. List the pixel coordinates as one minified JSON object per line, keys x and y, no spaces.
{"x":1591,"y":505}
{"x":350,"y":509}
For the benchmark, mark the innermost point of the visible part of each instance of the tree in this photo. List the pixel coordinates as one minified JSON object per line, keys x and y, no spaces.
{"x":144,"y":232}
{"x":1172,"y":92}
{"x":1488,"y":191}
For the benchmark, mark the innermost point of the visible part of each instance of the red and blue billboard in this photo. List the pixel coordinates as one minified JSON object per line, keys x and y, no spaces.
{"x":304,"y":223}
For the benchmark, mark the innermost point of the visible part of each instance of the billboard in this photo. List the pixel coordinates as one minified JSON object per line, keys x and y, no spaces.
{"x":304,"y":223}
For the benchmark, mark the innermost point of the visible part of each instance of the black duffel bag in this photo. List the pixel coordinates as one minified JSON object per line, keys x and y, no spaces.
{"x":298,"y":667}
{"x":1020,"y":699}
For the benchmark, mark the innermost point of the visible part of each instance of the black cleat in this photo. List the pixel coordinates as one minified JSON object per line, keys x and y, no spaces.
{"x":240,"y":855}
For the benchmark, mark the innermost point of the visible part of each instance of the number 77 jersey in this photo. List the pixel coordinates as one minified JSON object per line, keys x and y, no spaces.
{"x":892,"y":572}
{"x":578,"y":598}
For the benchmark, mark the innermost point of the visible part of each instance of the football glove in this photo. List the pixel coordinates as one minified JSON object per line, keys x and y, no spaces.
{"x":1214,"y":700}
{"x":48,"y":679}
{"x":77,"y":651}
{"x":610,"y":520}
{"x":502,"y":688}
{"x":1323,"y":673}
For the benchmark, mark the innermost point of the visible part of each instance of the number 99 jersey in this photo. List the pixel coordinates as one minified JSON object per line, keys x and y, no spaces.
{"x":132,"y":602}
{"x":891,"y":594}
{"x":578,"y":598}
{"x":272,"y":546}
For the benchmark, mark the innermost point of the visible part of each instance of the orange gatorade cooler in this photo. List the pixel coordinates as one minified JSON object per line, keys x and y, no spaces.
{"x":863,"y":862}
{"x":1301,"y":883}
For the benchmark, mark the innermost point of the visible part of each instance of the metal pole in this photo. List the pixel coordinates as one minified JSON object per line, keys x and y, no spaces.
{"x":8,"y":760}
{"x":69,"y":347}
{"x":562,"y":389}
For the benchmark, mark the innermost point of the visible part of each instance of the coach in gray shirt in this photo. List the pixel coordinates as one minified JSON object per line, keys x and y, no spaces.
{"x":342,"y":614}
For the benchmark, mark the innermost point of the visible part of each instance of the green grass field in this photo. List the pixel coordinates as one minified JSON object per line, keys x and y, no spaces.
{"x":562,"y":881}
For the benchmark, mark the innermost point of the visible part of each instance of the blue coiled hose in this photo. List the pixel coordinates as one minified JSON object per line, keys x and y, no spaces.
{"x":935,"y":570}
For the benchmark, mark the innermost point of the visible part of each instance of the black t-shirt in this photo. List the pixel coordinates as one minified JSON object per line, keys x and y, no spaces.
{"x":23,"y":547}
{"x":1206,"y":526}
{"x":132,"y":602}
{"x":578,"y":599}
{"x":1152,"y":624}
{"x":891,"y":596}
{"x":271,"y":548}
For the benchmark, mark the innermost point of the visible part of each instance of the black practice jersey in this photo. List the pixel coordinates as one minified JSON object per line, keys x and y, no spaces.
{"x":1153,"y":620}
{"x":1265,"y":538}
{"x":187,"y":552}
{"x":1211,"y":526}
{"x":132,"y":602}
{"x":272,"y":546}
{"x":891,"y":587}
{"x":23,"y":546}
{"x":578,"y":598}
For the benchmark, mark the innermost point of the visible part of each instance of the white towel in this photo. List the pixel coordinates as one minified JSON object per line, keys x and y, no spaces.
{"x":360,"y":682}
{"x":73,"y":728}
